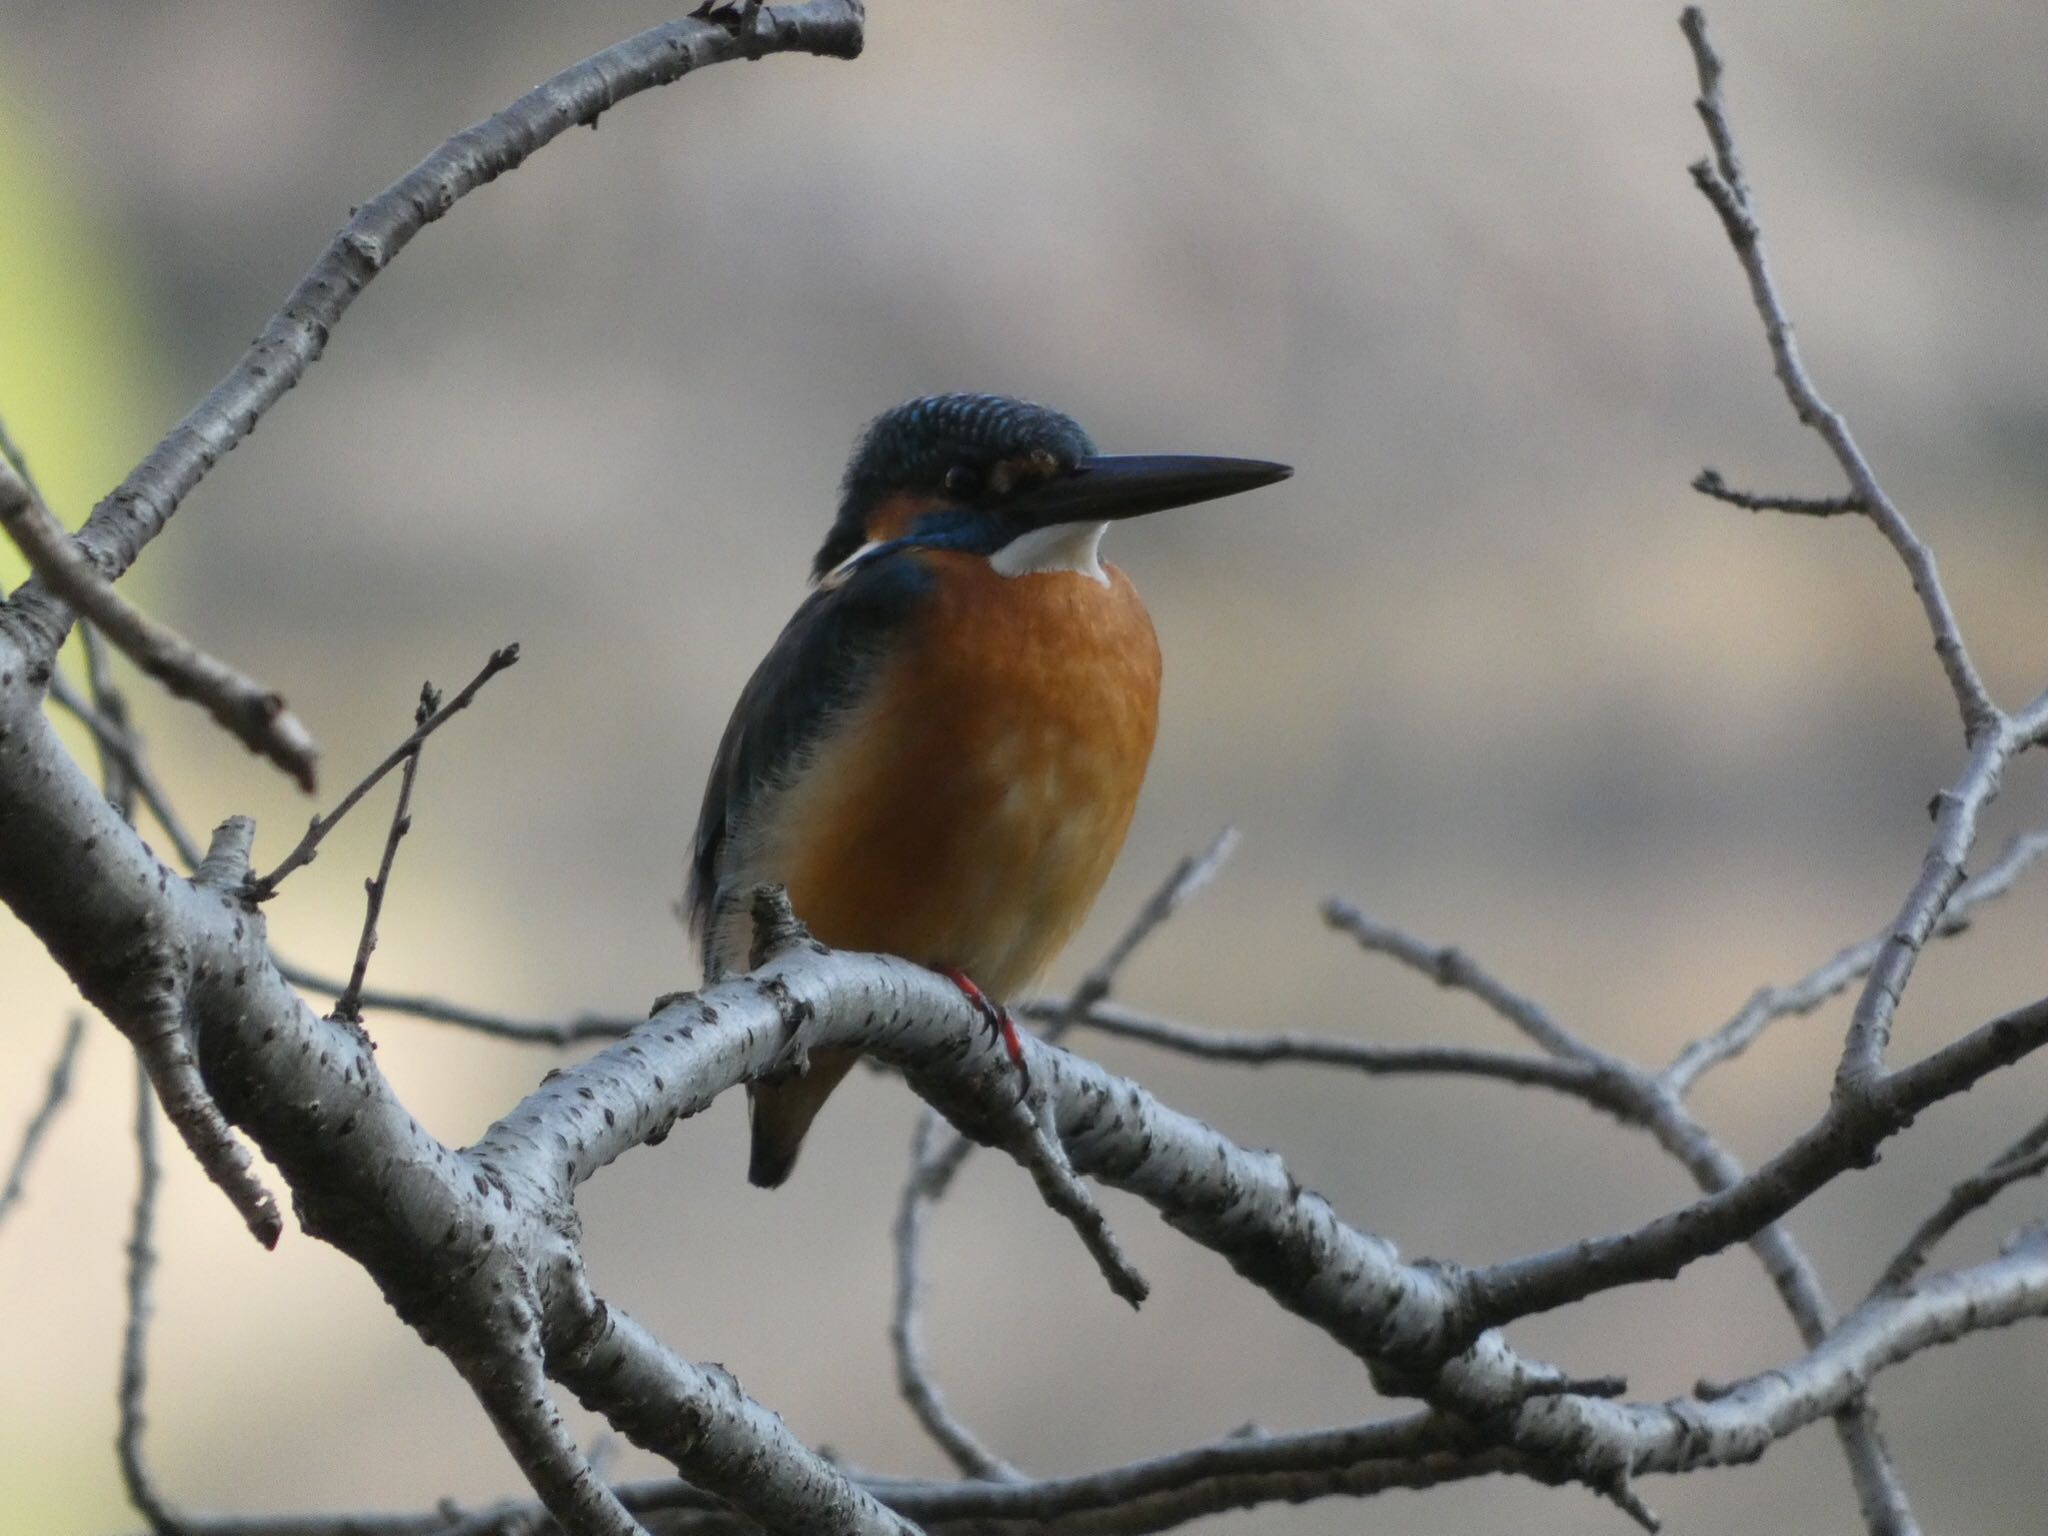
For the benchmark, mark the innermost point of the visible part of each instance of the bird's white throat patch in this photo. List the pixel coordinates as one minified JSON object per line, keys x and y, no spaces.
{"x":1062,"y":547}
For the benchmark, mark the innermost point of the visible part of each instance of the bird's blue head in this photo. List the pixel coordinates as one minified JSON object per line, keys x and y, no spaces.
{"x":980,"y":473}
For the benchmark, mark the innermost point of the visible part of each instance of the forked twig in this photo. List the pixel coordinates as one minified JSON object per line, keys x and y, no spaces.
{"x":1187,"y":878}
{"x":1769,"y":1004}
{"x":2025,"y":1159}
{"x":349,"y":1005}
{"x":308,"y":846}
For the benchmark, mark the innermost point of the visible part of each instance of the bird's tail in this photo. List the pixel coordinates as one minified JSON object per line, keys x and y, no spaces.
{"x":782,"y":1112}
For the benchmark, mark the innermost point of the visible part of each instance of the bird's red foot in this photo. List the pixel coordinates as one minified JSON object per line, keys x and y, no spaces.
{"x":997,"y":1019}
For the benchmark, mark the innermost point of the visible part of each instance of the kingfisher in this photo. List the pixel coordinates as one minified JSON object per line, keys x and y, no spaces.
{"x":939,"y":756}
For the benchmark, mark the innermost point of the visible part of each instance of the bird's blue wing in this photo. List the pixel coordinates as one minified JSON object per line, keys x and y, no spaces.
{"x":818,"y":668}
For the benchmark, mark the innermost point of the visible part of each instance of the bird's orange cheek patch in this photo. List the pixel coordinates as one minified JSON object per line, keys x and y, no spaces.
{"x":895,"y":514}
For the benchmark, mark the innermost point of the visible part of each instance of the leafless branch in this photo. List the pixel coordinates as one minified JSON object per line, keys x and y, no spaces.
{"x":906,"y":1334}
{"x":1240,"y":1471}
{"x":478,"y":1247}
{"x":254,"y":715}
{"x":293,"y":338}
{"x":1769,"y":1004}
{"x":1844,"y":1137}
{"x":1449,"y":966}
{"x":1041,"y":1152}
{"x":54,"y":1094}
{"x":162,"y":1037}
{"x":572,"y":1031}
{"x":514,"y":1391}
{"x":309,"y":845}
{"x":1579,"y":1079}
{"x":1638,"y":1098}
{"x":932,"y":1168}
{"x":1187,"y":878}
{"x":1721,"y":179}
{"x":121,"y":748}
{"x":1992,"y":735}
{"x":142,"y":1489}
{"x":2025,"y":1159}
{"x":1708,"y":482}
{"x":349,"y":1005}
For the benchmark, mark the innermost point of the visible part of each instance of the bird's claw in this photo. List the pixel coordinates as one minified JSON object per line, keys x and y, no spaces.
{"x":996,"y":1020}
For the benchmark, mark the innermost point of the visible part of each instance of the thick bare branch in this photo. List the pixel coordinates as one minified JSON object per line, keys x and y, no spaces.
{"x":380,"y":228}
{"x":1733,"y":1425}
{"x":1845,"y":1137}
{"x":254,"y":715}
{"x":1740,"y":1423}
{"x":1638,"y":1098}
{"x":121,"y":748}
{"x":698,"y":1418}
{"x":514,"y":1391}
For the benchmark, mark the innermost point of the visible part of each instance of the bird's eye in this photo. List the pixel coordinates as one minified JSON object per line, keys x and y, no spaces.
{"x":963,"y":480}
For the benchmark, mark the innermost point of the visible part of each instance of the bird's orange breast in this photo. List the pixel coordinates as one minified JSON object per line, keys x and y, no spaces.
{"x":967,"y":812}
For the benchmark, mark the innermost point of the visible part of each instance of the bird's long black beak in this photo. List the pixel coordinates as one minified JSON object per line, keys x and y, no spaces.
{"x":1132,"y":484}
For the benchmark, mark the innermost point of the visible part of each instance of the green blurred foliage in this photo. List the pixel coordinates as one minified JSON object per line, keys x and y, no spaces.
{"x":77,"y":361}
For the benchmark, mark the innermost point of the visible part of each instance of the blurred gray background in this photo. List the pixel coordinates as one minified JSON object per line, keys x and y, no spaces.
{"x":1485,"y":665}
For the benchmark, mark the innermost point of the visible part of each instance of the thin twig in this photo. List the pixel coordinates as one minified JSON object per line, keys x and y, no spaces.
{"x":1188,"y":877}
{"x":1239,"y":1471}
{"x":1449,"y":966}
{"x":572,"y":1031}
{"x":254,"y":715}
{"x":16,"y":460}
{"x":1845,"y":1136}
{"x":349,"y":1005}
{"x":1708,"y":482}
{"x":142,"y":1490}
{"x":1770,"y":1004}
{"x":54,"y":1094}
{"x":1722,"y":181}
{"x":1577,"y":1078}
{"x":119,"y":743}
{"x":2025,"y":1159}
{"x":309,"y":845}
{"x":1991,"y":735}
{"x":112,"y":706}
{"x":913,"y":1375}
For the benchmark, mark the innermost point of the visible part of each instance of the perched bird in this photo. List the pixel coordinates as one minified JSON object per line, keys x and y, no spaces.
{"x":940,"y":755}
